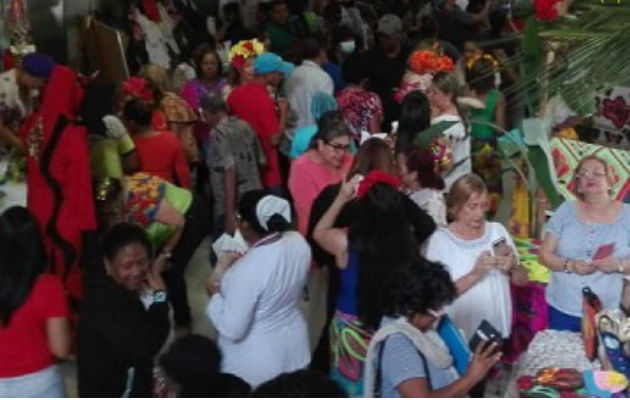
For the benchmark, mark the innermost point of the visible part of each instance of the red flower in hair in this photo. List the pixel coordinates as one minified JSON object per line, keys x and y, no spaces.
{"x":249,"y":47}
{"x":374,"y":177}
{"x":137,"y":88}
{"x":238,"y":61}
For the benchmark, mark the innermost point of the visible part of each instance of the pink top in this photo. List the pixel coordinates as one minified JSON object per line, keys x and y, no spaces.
{"x":307,"y":179}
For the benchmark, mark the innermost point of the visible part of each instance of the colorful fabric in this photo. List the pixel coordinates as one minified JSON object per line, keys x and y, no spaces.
{"x":349,"y":343}
{"x":566,"y":155}
{"x":528,"y":250}
{"x":196,"y":90}
{"x":359,"y":107}
{"x":143,"y":193}
{"x":180,"y":119}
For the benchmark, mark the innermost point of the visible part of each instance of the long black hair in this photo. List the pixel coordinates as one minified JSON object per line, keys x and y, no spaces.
{"x":415,"y":116}
{"x":383,"y":240}
{"x":22,"y":259}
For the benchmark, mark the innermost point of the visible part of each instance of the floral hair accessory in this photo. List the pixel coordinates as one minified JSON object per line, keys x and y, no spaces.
{"x":377,"y":176}
{"x":427,"y":61}
{"x":137,"y":88}
{"x":470,"y":63}
{"x":243,"y":50}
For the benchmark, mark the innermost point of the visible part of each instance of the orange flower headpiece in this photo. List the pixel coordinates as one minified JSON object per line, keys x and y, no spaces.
{"x":427,"y":61}
{"x":377,"y":176}
{"x":470,"y":63}
{"x":137,"y":88}
{"x":244,"y":50}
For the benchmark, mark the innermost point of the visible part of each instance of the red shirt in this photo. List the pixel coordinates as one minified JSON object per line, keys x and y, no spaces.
{"x":24,"y":342}
{"x":162,"y":155}
{"x":251,"y":102}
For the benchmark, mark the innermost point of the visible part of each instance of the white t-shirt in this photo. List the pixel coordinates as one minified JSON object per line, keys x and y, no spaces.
{"x":262,"y":332}
{"x":489,"y":298}
{"x":460,"y":145}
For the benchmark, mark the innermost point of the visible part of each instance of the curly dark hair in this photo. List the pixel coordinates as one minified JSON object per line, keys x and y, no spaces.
{"x":424,"y":285}
{"x":383,"y":240}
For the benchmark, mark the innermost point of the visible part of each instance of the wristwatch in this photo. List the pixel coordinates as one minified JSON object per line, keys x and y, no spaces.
{"x":159,"y":296}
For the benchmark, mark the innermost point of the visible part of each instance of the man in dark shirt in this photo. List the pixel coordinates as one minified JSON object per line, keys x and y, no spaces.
{"x":456,"y":25}
{"x":387,"y":65}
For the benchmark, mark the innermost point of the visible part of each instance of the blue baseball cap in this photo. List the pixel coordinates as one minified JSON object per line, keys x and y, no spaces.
{"x":269,"y":62}
{"x":39,"y":65}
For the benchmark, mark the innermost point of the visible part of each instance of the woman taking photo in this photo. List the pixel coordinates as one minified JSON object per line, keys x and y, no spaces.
{"x":587,"y":244}
{"x":255,"y":304}
{"x":378,"y":242}
{"x":34,"y":328}
{"x":406,"y":355}
{"x":326,"y":162}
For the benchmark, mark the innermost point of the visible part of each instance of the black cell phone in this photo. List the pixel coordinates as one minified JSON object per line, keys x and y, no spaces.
{"x":486,"y":333}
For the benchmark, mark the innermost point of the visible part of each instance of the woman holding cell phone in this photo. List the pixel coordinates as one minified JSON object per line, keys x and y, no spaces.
{"x":479,"y":255}
{"x":587,"y":244}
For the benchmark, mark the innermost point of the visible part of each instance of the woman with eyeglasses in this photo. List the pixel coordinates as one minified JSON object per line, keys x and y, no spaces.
{"x":406,"y":357}
{"x":326,"y":162}
{"x":587,"y":244}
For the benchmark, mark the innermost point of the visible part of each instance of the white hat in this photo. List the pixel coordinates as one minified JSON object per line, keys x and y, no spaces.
{"x":269,"y":206}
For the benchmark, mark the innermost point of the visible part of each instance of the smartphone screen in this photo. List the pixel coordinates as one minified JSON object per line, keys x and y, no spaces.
{"x":500,"y":247}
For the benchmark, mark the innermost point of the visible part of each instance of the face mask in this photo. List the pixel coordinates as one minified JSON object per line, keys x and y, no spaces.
{"x":347,"y":47}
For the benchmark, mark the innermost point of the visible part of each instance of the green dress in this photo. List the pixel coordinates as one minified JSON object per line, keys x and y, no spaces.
{"x":486,"y":162}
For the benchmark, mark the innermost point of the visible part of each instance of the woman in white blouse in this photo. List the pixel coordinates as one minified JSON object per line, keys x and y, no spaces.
{"x":479,"y":255}
{"x":254,"y":306}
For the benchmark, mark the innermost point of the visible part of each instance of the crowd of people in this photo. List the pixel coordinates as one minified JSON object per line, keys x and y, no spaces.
{"x":330,"y":144}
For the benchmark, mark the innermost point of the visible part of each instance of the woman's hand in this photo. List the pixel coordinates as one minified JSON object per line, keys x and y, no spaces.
{"x":485,"y":262}
{"x":153,"y":280}
{"x":484,"y":358}
{"x":349,"y":188}
{"x":607,"y":265}
{"x":580,"y":267}
{"x":519,"y":275}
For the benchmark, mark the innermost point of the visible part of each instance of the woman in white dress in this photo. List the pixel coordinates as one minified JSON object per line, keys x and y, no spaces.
{"x":254,"y":306}
{"x":442,"y":95}
{"x":480,"y":256}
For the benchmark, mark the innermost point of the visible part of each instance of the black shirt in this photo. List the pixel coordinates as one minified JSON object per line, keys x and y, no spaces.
{"x":385,"y":76}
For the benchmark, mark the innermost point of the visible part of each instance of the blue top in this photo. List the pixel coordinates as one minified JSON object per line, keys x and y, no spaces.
{"x":580,"y":240}
{"x":347,"y":297}
{"x":334,"y":71}
{"x":401,"y":362}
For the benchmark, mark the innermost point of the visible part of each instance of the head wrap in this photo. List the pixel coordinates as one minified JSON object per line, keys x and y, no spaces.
{"x":269,"y":206}
{"x":39,"y":65}
{"x":322,"y":102}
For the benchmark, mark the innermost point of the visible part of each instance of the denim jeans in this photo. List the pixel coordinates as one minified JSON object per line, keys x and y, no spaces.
{"x":44,"y":383}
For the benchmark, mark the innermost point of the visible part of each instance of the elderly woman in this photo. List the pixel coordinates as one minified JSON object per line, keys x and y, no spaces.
{"x":326,"y":162}
{"x":479,"y":255}
{"x":587,"y":244}
{"x":255,"y":304}
{"x":119,"y":335}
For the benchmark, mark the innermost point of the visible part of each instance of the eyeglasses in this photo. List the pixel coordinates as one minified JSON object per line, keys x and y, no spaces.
{"x":339,"y":147}
{"x":591,"y":174}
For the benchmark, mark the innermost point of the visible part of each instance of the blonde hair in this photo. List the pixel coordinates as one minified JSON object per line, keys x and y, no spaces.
{"x":576,"y":172}
{"x":158,"y":79}
{"x":461,"y":190}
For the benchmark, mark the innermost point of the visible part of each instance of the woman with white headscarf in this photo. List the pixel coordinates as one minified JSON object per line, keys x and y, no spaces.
{"x":254,"y":305}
